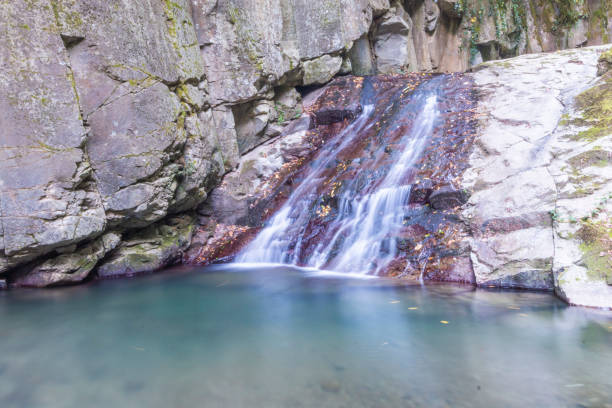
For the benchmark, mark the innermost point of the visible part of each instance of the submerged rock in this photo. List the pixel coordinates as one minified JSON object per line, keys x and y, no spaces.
{"x":331,"y":386}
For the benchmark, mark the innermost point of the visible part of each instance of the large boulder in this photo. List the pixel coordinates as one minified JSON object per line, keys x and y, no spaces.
{"x":604,"y":64}
{"x":104,"y":123}
{"x":541,"y":183}
{"x":393,"y":44}
{"x":321,"y":70}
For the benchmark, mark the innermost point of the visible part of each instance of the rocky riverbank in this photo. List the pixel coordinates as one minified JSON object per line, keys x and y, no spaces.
{"x":118,"y":121}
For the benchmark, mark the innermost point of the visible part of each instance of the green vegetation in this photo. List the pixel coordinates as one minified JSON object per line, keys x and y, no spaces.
{"x":596,"y":237}
{"x":599,"y":18}
{"x":554,"y":215}
{"x":596,"y":107}
{"x":280,"y":113}
{"x":509,"y":16}
{"x":595,"y":234}
{"x":606,"y":57}
{"x":568,"y":12}
{"x":595,"y":157}
{"x":510,"y":20}
{"x":285,"y":113}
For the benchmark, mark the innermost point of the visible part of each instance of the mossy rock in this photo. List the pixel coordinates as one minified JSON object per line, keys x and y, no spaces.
{"x":596,"y":107}
{"x":596,"y":246}
{"x":604,"y":64}
{"x":595,"y":157}
{"x":150,"y":249}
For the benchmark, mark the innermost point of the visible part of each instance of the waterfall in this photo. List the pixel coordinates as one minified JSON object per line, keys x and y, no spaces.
{"x":359,"y":236}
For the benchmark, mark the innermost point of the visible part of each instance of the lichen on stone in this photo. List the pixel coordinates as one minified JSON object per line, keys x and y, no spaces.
{"x":595,"y":104}
{"x":596,"y":246}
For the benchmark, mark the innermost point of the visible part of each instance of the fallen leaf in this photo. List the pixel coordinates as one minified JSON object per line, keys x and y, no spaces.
{"x":412,"y":308}
{"x":443,"y":322}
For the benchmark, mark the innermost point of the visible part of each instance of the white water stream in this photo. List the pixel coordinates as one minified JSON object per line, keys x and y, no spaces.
{"x":364,"y":221}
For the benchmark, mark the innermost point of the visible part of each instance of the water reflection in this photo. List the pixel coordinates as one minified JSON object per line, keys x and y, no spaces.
{"x":279,"y":337}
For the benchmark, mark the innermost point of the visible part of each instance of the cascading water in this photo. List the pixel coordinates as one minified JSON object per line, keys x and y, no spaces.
{"x":272,"y":244}
{"x":366,"y":222}
{"x":353,"y":228}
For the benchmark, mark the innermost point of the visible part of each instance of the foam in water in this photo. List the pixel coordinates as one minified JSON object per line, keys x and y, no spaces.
{"x":357,"y":240}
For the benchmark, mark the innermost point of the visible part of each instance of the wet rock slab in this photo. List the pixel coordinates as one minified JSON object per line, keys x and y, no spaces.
{"x":540,"y":176}
{"x":428,"y":243}
{"x":339,"y":101}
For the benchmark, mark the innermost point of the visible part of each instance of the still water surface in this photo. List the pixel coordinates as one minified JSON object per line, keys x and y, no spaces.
{"x":229,"y":336}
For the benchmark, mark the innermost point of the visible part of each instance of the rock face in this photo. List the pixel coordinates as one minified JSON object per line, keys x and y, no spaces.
{"x":251,"y":46}
{"x":541,"y":176}
{"x":103,"y":126}
{"x":48,"y":196}
{"x":453,"y":35}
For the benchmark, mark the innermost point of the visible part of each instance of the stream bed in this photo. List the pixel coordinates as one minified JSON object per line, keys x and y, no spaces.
{"x":275,"y":336}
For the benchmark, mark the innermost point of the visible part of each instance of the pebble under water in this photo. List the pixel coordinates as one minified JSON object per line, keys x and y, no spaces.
{"x":275,"y":336}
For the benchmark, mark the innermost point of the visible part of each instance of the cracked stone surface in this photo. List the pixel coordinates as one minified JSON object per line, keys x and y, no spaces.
{"x":249,"y":46}
{"x":69,"y":268}
{"x":530,"y":197}
{"x":150,"y":249}
{"x":47,"y":195}
{"x":104,"y":124}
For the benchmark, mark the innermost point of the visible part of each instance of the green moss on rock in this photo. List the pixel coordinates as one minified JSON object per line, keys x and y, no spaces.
{"x":604,"y":63}
{"x":596,"y":237}
{"x":596,"y":107}
{"x":595,"y":157}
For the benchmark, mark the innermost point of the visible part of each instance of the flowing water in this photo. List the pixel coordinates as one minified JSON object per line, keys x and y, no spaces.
{"x":229,"y":336}
{"x":366,"y":211}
